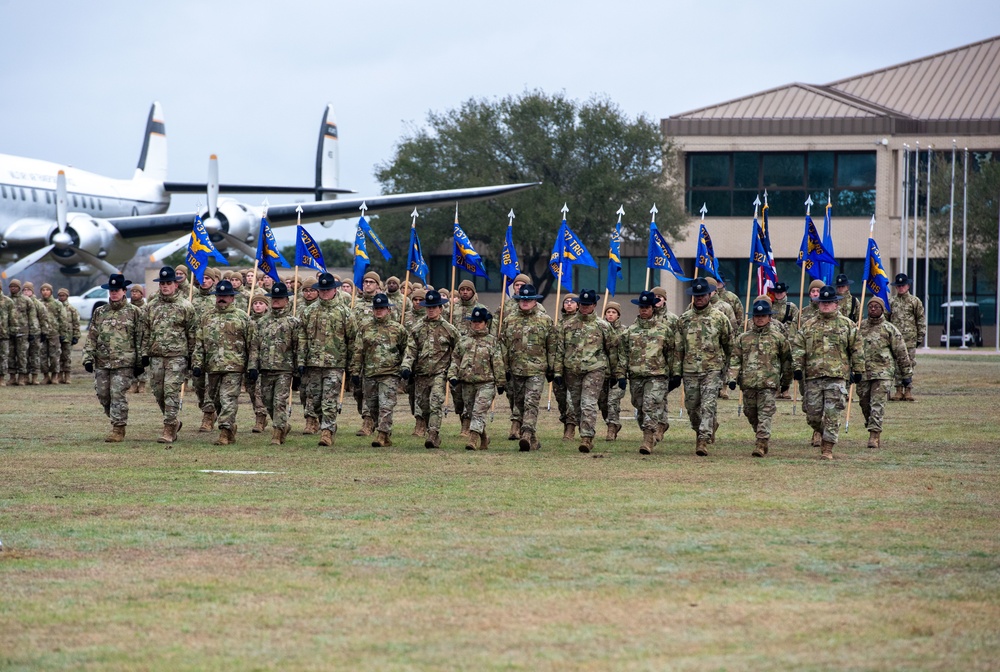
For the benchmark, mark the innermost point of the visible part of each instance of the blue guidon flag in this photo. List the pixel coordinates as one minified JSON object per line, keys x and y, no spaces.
{"x":508,"y":256}
{"x":361,"y":261}
{"x":614,"y":259}
{"x":568,"y":251}
{"x":875,"y":278}
{"x":200,"y":248}
{"x":307,"y":252}
{"x":706,"y":254}
{"x":267,"y":252}
{"x":812,"y":253}
{"x":415,"y":260}
{"x":466,"y":257}
{"x":659,"y":254}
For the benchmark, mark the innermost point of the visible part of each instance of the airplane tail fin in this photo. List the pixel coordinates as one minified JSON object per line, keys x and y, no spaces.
{"x":153,"y":159}
{"x":327,"y":157}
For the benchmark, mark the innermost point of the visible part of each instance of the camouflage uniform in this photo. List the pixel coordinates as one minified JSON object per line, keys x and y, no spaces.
{"x":429,"y":350}
{"x":736,"y":305}
{"x":585,"y":348}
{"x":51,"y":349}
{"x":703,"y":343}
{"x":66,"y":350}
{"x":170,"y":331}
{"x":305,"y":385}
{"x":785,"y":313}
{"x":46,"y":331}
{"x":221,"y":351}
{"x":885,"y":354}
{"x":810,"y":311}
{"x":850,"y":307}
{"x":906,"y":313}
{"x":361,"y":315}
{"x":566,"y":412}
{"x":6,"y":308}
{"x":254,"y":387}
{"x":323,"y":337}
{"x":760,"y":361}
{"x":646,"y":356}
{"x":610,"y":400}
{"x":274,"y":355}
{"x":114,"y":342}
{"x":727,"y":310}
{"x":528,"y":347}
{"x":377,"y":354}
{"x":24,"y":328}
{"x":203,"y":302}
{"x":478,"y":364}
{"x":827,"y":349}
{"x":462,"y":310}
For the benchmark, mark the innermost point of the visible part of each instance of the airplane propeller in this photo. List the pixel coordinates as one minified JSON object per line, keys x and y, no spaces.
{"x":61,"y":240}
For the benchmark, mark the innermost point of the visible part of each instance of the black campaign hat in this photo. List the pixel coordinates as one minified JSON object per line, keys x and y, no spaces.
{"x":279,"y":291}
{"x":761,"y":308}
{"x":325,"y":281}
{"x":588,"y":297}
{"x":479,"y":314}
{"x":433,"y":298}
{"x":780,"y":287}
{"x":381,"y":301}
{"x":828,"y":295}
{"x":842,"y":281}
{"x":527,"y":292}
{"x":901,"y":279}
{"x":699,"y":287}
{"x":116,"y":281}
{"x":646,"y":300}
{"x":224,"y":288}
{"x":167,"y":274}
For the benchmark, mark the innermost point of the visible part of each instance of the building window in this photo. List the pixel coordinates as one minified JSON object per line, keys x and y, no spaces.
{"x":48,"y":198}
{"x":4,"y":188}
{"x":728,"y":183}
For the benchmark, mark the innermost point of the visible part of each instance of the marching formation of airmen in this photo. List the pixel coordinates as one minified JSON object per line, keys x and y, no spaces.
{"x":386,"y":340}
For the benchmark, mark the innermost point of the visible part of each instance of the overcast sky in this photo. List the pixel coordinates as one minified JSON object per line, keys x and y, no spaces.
{"x":249,"y":80}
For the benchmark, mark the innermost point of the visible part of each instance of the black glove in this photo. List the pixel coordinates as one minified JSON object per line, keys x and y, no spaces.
{"x":557,"y":380}
{"x":74,"y":341}
{"x":454,"y":382}
{"x":137,"y":371}
{"x":31,"y":339}
{"x":784,"y":388}
{"x":856,"y":378}
{"x":549,"y":375}
{"x":145,"y":360}
{"x":732,"y":384}
{"x":296,"y":383}
{"x":188,"y":360}
{"x":621,"y":383}
{"x":196,"y":371}
{"x":253,"y":374}
{"x":907,"y":382}
{"x":405,"y":374}
{"x":507,"y":375}
{"x":62,"y":339}
{"x":89,"y":366}
{"x":302,"y":371}
{"x":355,"y":380}
{"x":675,"y":382}
{"x":797,"y":375}
{"x":501,"y":390}
{"x":45,"y":337}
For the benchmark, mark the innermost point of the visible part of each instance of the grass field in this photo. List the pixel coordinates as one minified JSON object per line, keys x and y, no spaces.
{"x":129,"y":557}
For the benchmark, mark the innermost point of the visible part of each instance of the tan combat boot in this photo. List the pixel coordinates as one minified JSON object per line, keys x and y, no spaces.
{"x":569,"y":432}
{"x":484,"y":441}
{"x":515,"y":430}
{"x":760,"y":448}
{"x":276,"y":436}
{"x":382,"y":440}
{"x":648,"y":440}
{"x":326,"y":438}
{"x":661,"y":429}
{"x":433,"y":439}
{"x":207,"y":421}
{"x":817,"y":439}
{"x":613,"y":430}
{"x":473,"y":442}
{"x":47,"y":380}
{"x":64,"y":378}
{"x":466,"y":422}
{"x":715,"y":428}
{"x":908,"y":394}
{"x":167,"y":435}
{"x":117,"y":434}
{"x":586,"y":444}
{"x":524,"y":442}
{"x":701,"y":447}
{"x":284,"y":432}
{"x":873,"y":439}
{"x":312,"y":426}
{"x":223,"y":439}
{"x":367,"y":427}
{"x":261,"y":423}
{"x":826,"y":450}
{"x":34,"y":379}
{"x":724,"y":393}
{"x":899,"y":394}
{"x":13,"y":380}
{"x":142,"y":387}
{"x":420,"y":427}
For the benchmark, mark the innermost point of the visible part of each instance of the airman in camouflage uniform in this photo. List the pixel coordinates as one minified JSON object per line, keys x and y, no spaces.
{"x":24,"y":329}
{"x":509,"y":304}
{"x":274,"y":355}
{"x":646,"y":357}
{"x":137,"y":297}
{"x":528,"y":347}
{"x":51,"y":349}
{"x":586,"y":347}
{"x":376,"y":357}
{"x":825,"y":352}
{"x":906,"y":313}
{"x":478,"y":365}
{"x":786,"y":314}
{"x":849,"y":306}
{"x":811,"y":309}
{"x":170,"y":329}
{"x":462,"y":308}
{"x":66,"y":349}
{"x":242,"y":298}
{"x":415,"y":318}
{"x":371,"y":284}
{"x":760,"y":360}
{"x":183,"y":287}
{"x":322,"y":355}
{"x":704,"y":345}
{"x":111,"y":353}
{"x":569,"y":311}
{"x":222,"y":351}
{"x":401,"y":307}
{"x":885,"y":352}
{"x":46,"y":330}
{"x":733,"y":301}
{"x":260,"y":305}
{"x":310,"y":296}
{"x":428,"y":354}
{"x":6,"y":308}
{"x":203,"y":301}
{"x":610,"y":401}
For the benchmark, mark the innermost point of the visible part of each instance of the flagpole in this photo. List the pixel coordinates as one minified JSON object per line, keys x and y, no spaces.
{"x":951,"y":239}
{"x":548,"y":405}
{"x":861,"y":312}
{"x":406,"y":281}
{"x":295,"y":294}
{"x":503,"y":289}
{"x":916,"y":211}
{"x":965,"y":205}
{"x":927,"y":238}
{"x":184,"y":382}
{"x":903,"y":226}
{"x":746,"y":309}
{"x":652,"y":220}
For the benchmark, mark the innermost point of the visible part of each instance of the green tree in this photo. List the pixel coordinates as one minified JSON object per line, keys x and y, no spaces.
{"x":590,"y":156}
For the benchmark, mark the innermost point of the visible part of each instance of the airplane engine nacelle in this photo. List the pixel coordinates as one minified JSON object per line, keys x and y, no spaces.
{"x":235,"y":219}
{"x":96,"y":236}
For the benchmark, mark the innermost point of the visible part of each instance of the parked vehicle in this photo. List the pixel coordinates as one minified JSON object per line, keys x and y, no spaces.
{"x":973,"y":324}
{"x":86,"y":302}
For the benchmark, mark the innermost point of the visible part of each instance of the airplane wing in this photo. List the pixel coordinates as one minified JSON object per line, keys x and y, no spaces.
{"x":201,"y":187}
{"x":320,"y":211}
